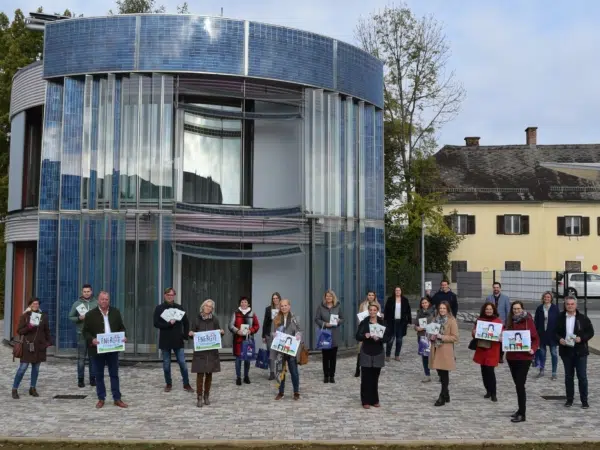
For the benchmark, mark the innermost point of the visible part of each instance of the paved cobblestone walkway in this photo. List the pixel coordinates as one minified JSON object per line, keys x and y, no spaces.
{"x":325,"y":412}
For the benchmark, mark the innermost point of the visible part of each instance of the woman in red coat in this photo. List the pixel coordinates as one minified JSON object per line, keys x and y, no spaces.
{"x":487,"y":353}
{"x":244,"y":325}
{"x":520,"y":361}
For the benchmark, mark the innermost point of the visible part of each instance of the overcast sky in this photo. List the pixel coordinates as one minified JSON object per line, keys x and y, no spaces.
{"x":522,"y":62}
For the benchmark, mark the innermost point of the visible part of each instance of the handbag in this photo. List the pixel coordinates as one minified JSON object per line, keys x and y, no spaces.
{"x":17,"y":351}
{"x":424,"y":346}
{"x":482,"y":343}
{"x":302,"y":356}
{"x":473,"y":344}
{"x":324,"y":339}
{"x":248,"y":352}
{"x":262,"y":359}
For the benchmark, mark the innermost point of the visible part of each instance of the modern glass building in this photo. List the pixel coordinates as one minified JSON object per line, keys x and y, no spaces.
{"x":221,"y":157}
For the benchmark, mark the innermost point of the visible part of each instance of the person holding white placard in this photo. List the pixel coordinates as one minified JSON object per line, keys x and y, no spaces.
{"x":244,"y":325}
{"x":329,"y":315}
{"x":425,"y":315}
{"x":362,"y":309}
{"x":442,"y":356}
{"x":267,"y":330}
{"x":102,"y":320}
{"x":287,"y":323}
{"x":79,"y":309}
{"x":487,"y":353}
{"x":206,"y":362}
{"x":35,"y":339}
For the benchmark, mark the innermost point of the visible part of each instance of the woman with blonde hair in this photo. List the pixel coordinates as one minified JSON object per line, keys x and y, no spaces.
{"x":286,"y":322}
{"x":206,"y":362}
{"x":364,"y":306}
{"x":441,"y":356}
{"x":329,"y":316}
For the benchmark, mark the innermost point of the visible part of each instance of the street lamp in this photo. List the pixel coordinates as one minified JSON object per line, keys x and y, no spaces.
{"x":422,"y":255}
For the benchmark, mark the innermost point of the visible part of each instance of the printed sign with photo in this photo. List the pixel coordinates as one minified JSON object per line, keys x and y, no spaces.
{"x":82,"y":309}
{"x":245,"y":328}
{"x":488,"y":331}
{"x":570,"y":340}
{"x":285,"y":343}
{"x":433,"y":328}
{"x":334,"y":319}
{"x":376,"y":330}
{"x":516,"y":341}
{"x":178,"y":314}
{"x":423,"y":323}
{"x":35,"y":319}
{"x":111,"y":342}
{"x":362,"y":316}
{"x":428,"y":285}
{"x":274,"y":313}
{"x":167,"y":315}
{"x":207,"y":340}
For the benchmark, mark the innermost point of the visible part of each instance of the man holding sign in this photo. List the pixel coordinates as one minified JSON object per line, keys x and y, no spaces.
{"x":80,"y":308}
{"x":104,"y":332}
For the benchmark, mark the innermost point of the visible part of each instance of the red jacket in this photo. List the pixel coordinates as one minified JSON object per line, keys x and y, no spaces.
{"x":527,"y":324}
{"x":488,"y":356}
{"x":237,"y":320}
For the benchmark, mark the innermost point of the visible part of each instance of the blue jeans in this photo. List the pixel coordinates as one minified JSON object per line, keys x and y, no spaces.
{"x":180,"y":356}
{"x":574,"y":363}
{"x":553,"y":356}
{"x":82,"y":353}
{"x":35,"y":370}
{"x":425,"y":360}
{"x":238,"y":367}
{"x":292,"y":366}
{"x":112,"y":361}
{"x":399,"y":334}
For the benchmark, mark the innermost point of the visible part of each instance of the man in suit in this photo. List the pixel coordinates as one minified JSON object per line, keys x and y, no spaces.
{"x":104,"y":319}
{"x":502,"y":303}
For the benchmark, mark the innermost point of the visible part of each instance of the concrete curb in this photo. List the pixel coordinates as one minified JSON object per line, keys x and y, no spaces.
{"x":259,"y":444}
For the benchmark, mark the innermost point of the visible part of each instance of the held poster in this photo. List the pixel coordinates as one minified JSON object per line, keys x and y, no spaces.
{"x":111,"y":342}
{"x":285,"y":343}
{"x":516,"y":341}
{"x":488,"y":331}
{"x":207,"y":340}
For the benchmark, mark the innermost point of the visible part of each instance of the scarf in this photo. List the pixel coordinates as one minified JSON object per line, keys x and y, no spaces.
{"x":244,"y":311}
{"x":206,"y":316}
{"x":519,"y":317}
{"x":427,"y":312}
{"x":442,"y":320}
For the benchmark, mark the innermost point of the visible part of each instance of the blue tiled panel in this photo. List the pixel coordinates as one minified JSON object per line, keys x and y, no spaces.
{"x":68,"y":282}
{"x":70,"y":192}
{"x":370,"y":181}
{"x":343,"y":147}
{"x":47,"y":265}
{"x":191,"y":43}
{"x":379,"y":170}
{"x":290,"y":55}
{"x":363,"y":267}
{"x":92,"y":195}
{"x":359,"y":74}
{"x":51,"y":144}
{"x":116,"y":146}
{"x":168,"y":223}
{"x":380,"y":261}
{"x":371,"y":263}
{"x":88,"y":45}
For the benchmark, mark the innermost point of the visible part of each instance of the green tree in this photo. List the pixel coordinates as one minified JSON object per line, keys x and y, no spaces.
{"x":145,"y":7}
{"x":420,"y":97}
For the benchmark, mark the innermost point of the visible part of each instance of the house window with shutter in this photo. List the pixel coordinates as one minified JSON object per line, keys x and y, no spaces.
{"x":573,"y":226}
{"x":461,"y":223}
{"x":512,"y":224}
{"x":514,"y":266}
{"x":458,"y":267}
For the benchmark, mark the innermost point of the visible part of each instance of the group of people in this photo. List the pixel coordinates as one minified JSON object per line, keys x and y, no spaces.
{"x":566,"y":333}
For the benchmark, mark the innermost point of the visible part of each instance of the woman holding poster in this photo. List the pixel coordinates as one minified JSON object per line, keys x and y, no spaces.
{"x":487,"y":353}
{"x":364,"y":306}
{"x":329,"y":316}
{"x":205,"y":362}
{"x":425,"y":315}
{"x":441,"y":355}
{"x":267,"y":330}
{"x":286,"y":322}
{"x":519,"y":361}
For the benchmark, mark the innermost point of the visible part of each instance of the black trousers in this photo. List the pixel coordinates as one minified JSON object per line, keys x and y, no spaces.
{"x":489,"y":379}
{"x":519,"y":370}
{"x":329,"y":360}
{"x":369,"y":385}
{"x":445,"y":379}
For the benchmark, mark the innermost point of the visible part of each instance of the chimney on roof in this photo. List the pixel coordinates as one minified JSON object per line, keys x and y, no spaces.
{"x":472,"y":141}
{"x":531,"y":135}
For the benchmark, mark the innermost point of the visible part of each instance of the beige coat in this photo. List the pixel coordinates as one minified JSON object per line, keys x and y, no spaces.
{"x":442,"y":357}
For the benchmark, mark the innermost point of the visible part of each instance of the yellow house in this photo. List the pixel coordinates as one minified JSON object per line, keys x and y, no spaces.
{"x":516,"y":214}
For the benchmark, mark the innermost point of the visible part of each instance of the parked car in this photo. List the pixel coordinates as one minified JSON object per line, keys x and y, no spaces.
{"x":576,"y":282}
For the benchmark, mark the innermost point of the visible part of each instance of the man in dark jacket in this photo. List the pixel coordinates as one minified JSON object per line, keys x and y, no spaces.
{"x":102,"y":320}
{"x":573,"y":332}
{"x":172,"y":334}
{"x":445,"y":295}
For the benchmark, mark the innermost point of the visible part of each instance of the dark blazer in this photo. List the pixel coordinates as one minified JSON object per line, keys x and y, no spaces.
{"x":371,"y":346}
{"x":267,"y":322}
{"x":548,"y":336}
{"x":171,"y":337}
{"x":389,"y":313}
{"x":450,"y":297}
{"x":39,"y":336}
{"x":583,"y":329}
{"x":93,"y":325}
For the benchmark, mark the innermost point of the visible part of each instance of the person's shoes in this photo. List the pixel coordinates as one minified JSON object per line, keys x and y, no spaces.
{"x":271,"y":376}
{"x":585,"y":405}
{"x":426,"y":379}
{"x":397,"y":358}
{"x":33,"y":392}
{"x":246,"y":380}
{"x":515,"y":414}
{"x":199,"y":402}
{"x":80,"y":383}
{"x":367,"y":406}
{"x":100,"y":404}
{"x":206,"y":400}
{"x":93,"y":382}
{"x":238,"y":381}
{"x":494,"y":398}
{"x":518,"y":418}
{"x":501,"y":361}
{"x":488,"y":394}
{"x":15,"y":394}
{"x":120,"y":404}
{"x":440,"y":401}
{"x":279,"y":397}
{"x":325,"y":379}
{"x":188,"y":388}
{"x":332,"y":379}
{"x":376,"y":405}
{"x":296,"y":396}
{"x":541,"y":374}
{"x":568,"y":403}
{"x":447,"y":397}
{"x":387,"y":359}
{"x":357,"y":372}
{"x":168,"y":388}
{"x":554,"y":377}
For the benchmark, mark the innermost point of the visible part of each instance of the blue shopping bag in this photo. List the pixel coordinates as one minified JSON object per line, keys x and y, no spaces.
{"x":324,"y":339}
{"x":262,"y":359}
{"x":424,"y":346}
{"x":248,"y":352}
